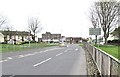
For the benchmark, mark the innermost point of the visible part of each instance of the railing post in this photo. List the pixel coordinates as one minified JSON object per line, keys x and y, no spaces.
{"x":95,"y":54}
{"x":102,"y":68}
{"x":110,"y":67}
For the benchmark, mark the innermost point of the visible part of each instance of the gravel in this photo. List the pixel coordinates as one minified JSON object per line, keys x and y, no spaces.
{"x":91,"y":67}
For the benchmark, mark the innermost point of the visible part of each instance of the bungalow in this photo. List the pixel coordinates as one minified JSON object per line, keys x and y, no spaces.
{"x":14,"y":37}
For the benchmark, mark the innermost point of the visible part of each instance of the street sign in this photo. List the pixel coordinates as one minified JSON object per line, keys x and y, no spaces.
{"x":94,"y":31}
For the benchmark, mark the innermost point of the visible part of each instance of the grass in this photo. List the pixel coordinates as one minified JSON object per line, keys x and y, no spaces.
{"x":81,"y":44}
{"x":12,"y":48}
{"x":111,"y":49}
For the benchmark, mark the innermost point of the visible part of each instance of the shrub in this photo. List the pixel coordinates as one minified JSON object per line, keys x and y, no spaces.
{"x":4,"y":43}
{"x":114,"y":42}
{"x":51,"y":41}
{"x":32,"y":42}
{"x":109,"y":41}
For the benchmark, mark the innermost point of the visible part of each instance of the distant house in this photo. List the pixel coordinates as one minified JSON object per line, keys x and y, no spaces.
{"x":16,"y":36}
{"x":111,"y":37}
{"x":1,"y":37}
{"x":73,"y":40}
{"x":63,"y":39}
{"x":48,"y":37}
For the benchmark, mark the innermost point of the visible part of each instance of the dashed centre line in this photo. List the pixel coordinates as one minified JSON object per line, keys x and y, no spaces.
{"x":47,"y":59}
{"x":59,"y":54}
{"x":1,"y":61}
{"x":45,"y":50}
{"x":9,"y":57}
{"x":20,"y":56}
{"x":42,"y":62}
{"x":5,"y":60}
{"x":76,"y":49}
{"x":29,"y":54}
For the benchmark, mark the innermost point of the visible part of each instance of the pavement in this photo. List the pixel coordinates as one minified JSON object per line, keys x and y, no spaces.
{"x":56,"y":60}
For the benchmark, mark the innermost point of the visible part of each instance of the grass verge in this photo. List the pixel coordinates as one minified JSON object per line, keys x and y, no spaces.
{"x":111,"y":49}
{"x":12,"y":48}
{"x":81,"y":44}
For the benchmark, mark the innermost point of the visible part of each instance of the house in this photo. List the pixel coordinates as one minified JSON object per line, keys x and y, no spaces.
{"x":48,"y":37}
{"x":73,"y":40}
{"x":63,"y":39}
{"x":14,"y":37}
{"x":1,"y":37}
{"x":111,"y":37}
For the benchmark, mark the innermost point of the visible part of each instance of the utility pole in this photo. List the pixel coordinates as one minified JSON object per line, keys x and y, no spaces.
{"x":29,"y":37}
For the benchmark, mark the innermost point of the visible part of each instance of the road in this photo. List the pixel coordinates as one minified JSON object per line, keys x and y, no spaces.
{"x":69,"y":60}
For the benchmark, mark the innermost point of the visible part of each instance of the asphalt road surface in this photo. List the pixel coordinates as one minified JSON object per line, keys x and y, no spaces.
{"x":46,"y":61}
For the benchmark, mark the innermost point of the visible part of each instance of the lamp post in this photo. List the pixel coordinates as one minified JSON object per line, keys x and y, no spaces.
{"x":29,"y":38}
{"x":61,"y":37}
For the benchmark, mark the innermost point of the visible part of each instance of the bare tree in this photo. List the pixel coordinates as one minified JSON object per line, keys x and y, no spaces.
{"x":107,"y":13}
{"x":2,"y":20}
{"x":34,"y":26}
{"x":8,"y":28}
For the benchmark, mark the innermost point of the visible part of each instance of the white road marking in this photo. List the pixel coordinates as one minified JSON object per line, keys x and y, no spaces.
{"x":45,"y":51}
{"x":9,"y":57}
{"x":76,"y":49}
{"x":34,"y":53}
{"x":1,"y":61}
{"x":28,"y":55}
{"x":31,"y":54}
{"x":59,"y":54}
{"x":42,"y":62}
{"x":20,"y":56}
{"x":5,"y":60}
{"x":65,"y":50}
{"x":40,"y":52}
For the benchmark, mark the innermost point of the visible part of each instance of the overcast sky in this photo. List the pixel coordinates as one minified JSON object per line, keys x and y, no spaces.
{"x":69,"y":17}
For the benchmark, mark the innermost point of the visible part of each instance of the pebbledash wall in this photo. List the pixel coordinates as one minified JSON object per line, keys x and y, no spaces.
{"x":106,"y":64}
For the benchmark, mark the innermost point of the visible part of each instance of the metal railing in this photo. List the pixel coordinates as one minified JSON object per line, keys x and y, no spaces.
{"x":106,"y":64}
